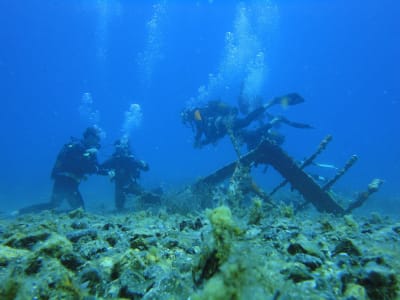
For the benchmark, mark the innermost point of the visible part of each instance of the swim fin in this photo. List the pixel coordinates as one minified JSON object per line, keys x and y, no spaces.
{"x":285,"y":100}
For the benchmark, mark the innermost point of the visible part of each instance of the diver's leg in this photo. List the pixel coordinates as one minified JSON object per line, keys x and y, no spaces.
{"x":35,"y":208}
{"x":244,"y":122}
{"x":75,"y":199}
{"x":61,"y":185}
{"x":73,"y":195}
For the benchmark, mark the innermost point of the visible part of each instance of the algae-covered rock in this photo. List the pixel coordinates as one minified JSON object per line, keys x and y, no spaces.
{"x":303,"y":245}
{"x":125,"y":274}
{"x":93,"y":249}
{"x":126,"y":292}
{"x":256,"y":213}
{"x":297,"y":273}
{"x":8,"y":255}
{"x":63,"y":286}
{"x":92,"y":278}
{"x":169,"y":285}
{"x":9,"y":289}
{"x":351,"y":223}
{"x":215,"y":289}
{"x":287,"y":211}
{"x":196,"y":225}
{"x":78,"y":224}
{"x":34,"y":265}
{"x":380,"y":282}
{"x":44,"y":278}
{"x":326,"y":226}
{"x":55,"y":246}
{"x":214,"y":255}
{"x":141,"y":241}
{"x":221,"y":220}
{"x":223,"y":228}
{"x":75,"y":236}
{"x":355,"y":291}
{"x":241,"y":277}
{"x":141,"y":256}
{"x":72,"y":261}
{"x":132,"y":259}
{"x":78,"y":213}
{"x":396,"y":229}
{"x":311,"y":262}
{"x":346,"y":246}
{"x":26,"y":241}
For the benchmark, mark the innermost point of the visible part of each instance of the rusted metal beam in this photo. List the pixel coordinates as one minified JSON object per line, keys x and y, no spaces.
{"x":275,"y":156}
{"x":270,"y":153}
{"x":322,"y":146}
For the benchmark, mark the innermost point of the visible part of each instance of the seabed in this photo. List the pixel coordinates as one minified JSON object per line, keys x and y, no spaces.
{"x":257,"y":252}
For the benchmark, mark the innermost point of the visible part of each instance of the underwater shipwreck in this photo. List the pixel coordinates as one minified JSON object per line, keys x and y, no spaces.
{"x":269,"y":153}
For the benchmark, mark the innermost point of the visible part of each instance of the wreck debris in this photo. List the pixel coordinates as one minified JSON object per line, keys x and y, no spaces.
{"x":362,"y":197}
{"x":322,"y":146}
{"x":341,"y":172}
{"x":275,"y":156}
{"x":268,"y":152}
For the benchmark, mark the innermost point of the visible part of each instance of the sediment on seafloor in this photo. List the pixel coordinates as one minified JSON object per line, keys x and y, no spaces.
{"x":212,"y":254}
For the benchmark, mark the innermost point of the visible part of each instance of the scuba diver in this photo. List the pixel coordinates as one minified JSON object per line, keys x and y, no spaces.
{"x":76,"y":159}
{"x":124,"y":169}
{"x":217,"y":119}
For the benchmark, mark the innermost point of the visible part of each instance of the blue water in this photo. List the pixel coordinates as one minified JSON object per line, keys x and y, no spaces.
{"x":342,"y":56}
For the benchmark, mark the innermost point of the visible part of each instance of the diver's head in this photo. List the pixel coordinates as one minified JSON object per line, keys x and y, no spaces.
{"x":122,"y":147}
{"x":91,"y":137}
{"x":190,"y":115}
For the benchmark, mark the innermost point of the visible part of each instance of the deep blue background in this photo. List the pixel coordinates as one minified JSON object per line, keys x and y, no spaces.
{"x":342,"y":56}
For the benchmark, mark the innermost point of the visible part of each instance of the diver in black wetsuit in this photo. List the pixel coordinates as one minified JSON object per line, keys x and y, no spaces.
{"x":213,"y":121}
{"x":124,"y":169}
{"x":76,"y":159}
{"x":217,"y":119}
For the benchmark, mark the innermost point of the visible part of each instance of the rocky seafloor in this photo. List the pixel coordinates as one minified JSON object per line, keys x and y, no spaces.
{"x":254,"y":253}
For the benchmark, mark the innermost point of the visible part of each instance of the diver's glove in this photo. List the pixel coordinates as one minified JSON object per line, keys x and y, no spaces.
{"x":111,"y":174}
{"x":90,"y":151}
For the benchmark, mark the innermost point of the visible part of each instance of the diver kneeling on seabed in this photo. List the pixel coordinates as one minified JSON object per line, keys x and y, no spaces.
{"x":75,"y":161}
{"x":124,"y":169}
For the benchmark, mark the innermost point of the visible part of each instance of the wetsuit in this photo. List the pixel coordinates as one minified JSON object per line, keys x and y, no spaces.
{"x":126,"y":170}
{"x":215,"y":120}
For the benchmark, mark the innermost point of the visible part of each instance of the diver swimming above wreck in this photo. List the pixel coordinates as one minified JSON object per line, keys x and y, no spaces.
{"x":216,"y":119}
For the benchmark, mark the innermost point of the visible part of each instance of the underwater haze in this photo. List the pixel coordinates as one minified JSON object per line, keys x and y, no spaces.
{"x":131,"y":67}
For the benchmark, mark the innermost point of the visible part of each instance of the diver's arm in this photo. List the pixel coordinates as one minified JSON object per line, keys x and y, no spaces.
{"x":89,"y":162}
{"x":142,"y":165}
{"x":106,"y":167}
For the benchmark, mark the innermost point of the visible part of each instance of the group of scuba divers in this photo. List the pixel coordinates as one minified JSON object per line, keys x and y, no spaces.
{"x":78,"y":159}
{"x":210,"y":123}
